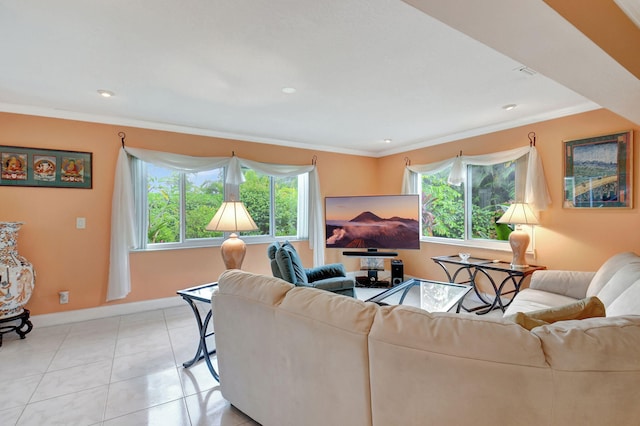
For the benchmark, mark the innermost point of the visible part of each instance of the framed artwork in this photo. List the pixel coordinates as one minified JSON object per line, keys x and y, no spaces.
{"x":45,"y":168}
{"x":598,"y":171}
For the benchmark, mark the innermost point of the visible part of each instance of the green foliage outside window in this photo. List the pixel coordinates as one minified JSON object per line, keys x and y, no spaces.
{"x":204,"y":193}
{"x":163,"y":197}
{"x":286,"y":206}
{"x":254,"y":193}
{"x":493,"y":189}
{"x":201,"y":203}
{"x":443,"y":206}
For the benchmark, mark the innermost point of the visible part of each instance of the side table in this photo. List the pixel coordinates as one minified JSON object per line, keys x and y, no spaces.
{"x":201,"y":293}
{"x":474,"y":266}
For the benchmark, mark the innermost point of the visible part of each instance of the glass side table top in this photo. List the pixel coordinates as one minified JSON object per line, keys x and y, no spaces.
{"x":432,"y":296}
{"x":200,"y":293}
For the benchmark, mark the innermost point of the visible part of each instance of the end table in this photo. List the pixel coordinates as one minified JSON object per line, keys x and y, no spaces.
{"x":474,"y":266}
{"x":201,"y":293}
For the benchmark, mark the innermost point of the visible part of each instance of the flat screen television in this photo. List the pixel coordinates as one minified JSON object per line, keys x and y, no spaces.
{"x":373,"y":222}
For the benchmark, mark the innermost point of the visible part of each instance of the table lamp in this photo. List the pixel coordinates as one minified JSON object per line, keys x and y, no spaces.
{"x":232,"y":216}
{"x":519,"y":214}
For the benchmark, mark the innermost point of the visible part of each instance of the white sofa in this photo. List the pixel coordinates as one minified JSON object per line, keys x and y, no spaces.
{"x":616,"y":283}
{"x":300,"y":356}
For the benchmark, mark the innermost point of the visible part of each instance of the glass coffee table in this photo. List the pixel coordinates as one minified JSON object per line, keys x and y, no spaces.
{"x":432,"y":296}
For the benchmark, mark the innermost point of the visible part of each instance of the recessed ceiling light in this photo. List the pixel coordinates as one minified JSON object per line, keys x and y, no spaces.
{"x":289,"y":90}
{"x":509,"y":107}
{"x":106,"y":93}
{"x":387,"y":141}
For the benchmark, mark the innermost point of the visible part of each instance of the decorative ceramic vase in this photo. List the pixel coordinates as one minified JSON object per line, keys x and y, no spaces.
{"x":17,"y":277}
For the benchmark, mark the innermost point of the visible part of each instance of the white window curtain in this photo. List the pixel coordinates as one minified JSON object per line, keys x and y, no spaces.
{"x":536,"y":191}
{"x":123,"y":214}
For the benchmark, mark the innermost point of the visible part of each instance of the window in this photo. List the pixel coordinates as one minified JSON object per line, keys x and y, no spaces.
{"x":272,"y":202}
{"x":442,"y":206}
{"x":469,"y":212}
{"x":175,"y":207}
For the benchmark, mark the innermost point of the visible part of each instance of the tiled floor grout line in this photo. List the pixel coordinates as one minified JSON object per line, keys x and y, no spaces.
{"x":113,"y":357}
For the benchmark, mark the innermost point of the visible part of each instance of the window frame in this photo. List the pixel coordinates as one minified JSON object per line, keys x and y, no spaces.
{"x":467,"y":240}
{"x":231,"y":191}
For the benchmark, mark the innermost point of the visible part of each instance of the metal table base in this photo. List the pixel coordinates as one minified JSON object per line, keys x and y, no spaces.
{"x":191,"y":295}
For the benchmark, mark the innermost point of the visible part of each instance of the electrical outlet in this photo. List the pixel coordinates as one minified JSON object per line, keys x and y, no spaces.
{"x":81,"y":223}
{"x":64,"y":297}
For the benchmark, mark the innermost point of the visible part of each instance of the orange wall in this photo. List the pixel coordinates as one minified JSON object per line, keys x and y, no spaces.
{"x":66,"y":258}
{"x":77,"y":260}
{"x":576,"y":239}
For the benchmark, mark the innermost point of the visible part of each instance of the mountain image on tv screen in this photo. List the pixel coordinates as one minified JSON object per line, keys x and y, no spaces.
{"x":372,"y":222}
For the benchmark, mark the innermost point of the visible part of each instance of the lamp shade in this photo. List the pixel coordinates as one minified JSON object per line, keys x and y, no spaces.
{"x":232,"y":216}
{"x":519,"y":214}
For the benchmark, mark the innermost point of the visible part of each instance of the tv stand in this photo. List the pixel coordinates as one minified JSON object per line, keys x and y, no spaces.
{"x":372,"y":262}
{"x":370,"y":253}
{"x":371,"y":280}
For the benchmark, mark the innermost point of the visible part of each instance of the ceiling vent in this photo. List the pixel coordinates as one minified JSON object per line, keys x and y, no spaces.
{"x":526,"y":70}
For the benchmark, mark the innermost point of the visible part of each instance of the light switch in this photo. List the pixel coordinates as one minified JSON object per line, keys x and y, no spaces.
{"x":81,"y":222}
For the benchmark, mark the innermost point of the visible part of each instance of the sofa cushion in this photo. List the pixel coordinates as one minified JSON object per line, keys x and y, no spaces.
{"x":628,"y":303}
{"x":530,"y":299}
{"x":426,"y":368}
{"x":323,"y":272}
{"x":245,"y":334}
{"x":596,"y":344}
{"x":608,"y":269}
{"x":272,"y":249}
{"x":271,"y":253}
{"x":619,"y":282}
{"x":585,"y":308}
{"x":596,"y":370}
{"x":261,"y":288}
{"x":290,"y":265}
{"x":323,"y":366}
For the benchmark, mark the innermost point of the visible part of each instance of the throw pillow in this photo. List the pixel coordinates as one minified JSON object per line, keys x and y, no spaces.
{"x":589,"y":307}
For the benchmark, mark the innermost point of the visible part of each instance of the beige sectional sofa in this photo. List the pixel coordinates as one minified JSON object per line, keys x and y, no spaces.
{"x":616,"y":283}
{"x":300,"y":356}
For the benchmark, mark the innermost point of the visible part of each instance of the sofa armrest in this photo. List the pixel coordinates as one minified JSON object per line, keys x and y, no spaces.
{"x":325,"y":271}
{"x":334,"y":284}
{"x":566,"y":283}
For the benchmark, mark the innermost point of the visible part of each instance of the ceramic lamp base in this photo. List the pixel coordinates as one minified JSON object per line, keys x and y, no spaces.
{"x":519,"y":241}
{"x":233,"y":250}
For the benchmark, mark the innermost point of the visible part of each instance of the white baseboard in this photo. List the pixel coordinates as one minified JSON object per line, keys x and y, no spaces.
{"x":80,"y":315}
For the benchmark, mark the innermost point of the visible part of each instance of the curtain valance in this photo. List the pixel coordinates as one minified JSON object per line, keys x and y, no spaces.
{"x":536,"y":191}
{"x":123,"y":209}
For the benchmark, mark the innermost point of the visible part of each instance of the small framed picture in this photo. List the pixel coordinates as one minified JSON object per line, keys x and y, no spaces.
{"x":14,"y":166}
{"x":598,"y":172}
{"x":45,"y":168}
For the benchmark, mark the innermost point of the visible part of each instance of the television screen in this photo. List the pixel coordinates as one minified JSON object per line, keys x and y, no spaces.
{"x":373,"y":222}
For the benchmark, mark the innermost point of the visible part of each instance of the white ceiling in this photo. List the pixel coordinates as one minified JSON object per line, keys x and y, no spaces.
{"x":364,"y":70}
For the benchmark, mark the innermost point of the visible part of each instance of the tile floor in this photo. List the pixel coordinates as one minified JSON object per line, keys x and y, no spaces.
{"x":124,"y":370}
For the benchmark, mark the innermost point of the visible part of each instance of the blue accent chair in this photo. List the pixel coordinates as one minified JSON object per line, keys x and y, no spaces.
{"x":286,"y":265}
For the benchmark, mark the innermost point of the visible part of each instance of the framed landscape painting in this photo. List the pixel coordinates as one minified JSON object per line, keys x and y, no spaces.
{"x":598,"y":171}
{"x":45,"y":168}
